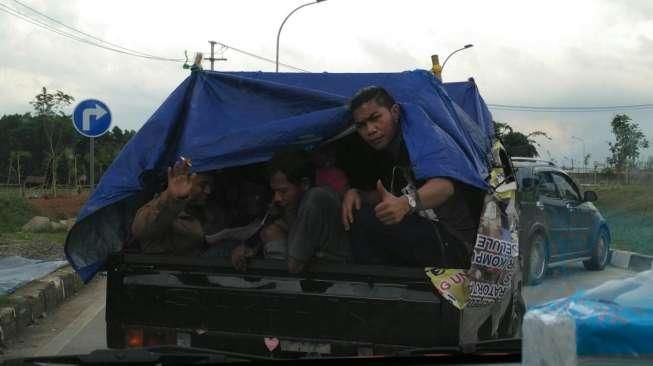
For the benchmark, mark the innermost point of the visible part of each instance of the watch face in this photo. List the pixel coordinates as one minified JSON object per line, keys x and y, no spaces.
{"x":411,"y":201}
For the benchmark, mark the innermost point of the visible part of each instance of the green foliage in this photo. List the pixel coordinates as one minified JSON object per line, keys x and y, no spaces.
{"x":15,"y":211}
{"x":629,"y":139}
{"x":517,"y":143}
{"x":49,"y":111}
{"x":627,"y":209}
{"x":46,"y":140}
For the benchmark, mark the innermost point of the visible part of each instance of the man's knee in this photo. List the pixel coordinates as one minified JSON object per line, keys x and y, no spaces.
{"x":321,"y":197}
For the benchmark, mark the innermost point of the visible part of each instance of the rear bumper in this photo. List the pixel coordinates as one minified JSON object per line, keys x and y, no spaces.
{"x":252,"y":344}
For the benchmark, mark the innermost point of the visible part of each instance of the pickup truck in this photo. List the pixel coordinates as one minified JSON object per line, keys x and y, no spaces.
{"x":232,"y":119}
{"x":344,"y":310}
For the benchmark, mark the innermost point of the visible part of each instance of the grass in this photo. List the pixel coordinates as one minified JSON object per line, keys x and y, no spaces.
{"x":629,"y":213}
{"x":55,"y":237}
{"x":15,"y":211}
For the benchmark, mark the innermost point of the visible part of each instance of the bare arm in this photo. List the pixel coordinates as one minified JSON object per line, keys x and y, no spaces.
{"x":435,"y":192}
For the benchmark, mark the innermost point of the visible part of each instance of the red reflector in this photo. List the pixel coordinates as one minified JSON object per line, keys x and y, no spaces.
{"x":134,"y":337}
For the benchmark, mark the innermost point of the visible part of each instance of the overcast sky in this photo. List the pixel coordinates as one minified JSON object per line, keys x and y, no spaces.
{"x":536,"y":53}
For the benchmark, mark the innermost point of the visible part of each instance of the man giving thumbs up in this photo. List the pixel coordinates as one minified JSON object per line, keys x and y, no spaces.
{"x":403,"y":221}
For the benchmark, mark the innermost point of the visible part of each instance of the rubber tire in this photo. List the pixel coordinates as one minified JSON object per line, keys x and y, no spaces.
{"x":538,"y":242}
{"x":600,"y":253}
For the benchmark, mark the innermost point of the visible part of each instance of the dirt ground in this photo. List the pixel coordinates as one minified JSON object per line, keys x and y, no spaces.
{"x":59,"y":208}
{"x":44,"y":246}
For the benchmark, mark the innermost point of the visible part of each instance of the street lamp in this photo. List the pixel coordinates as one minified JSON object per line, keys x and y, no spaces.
{"x":567,"y":159}
{"x":583,"y":141}
{"x":284,"y":22}
{"x":452,"y":53}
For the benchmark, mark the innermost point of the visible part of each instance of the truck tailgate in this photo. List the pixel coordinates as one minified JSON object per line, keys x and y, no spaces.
{"x":354,"y":304}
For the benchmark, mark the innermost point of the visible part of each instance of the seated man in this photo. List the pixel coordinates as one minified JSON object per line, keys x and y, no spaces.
{"x":307,"y":223}
{"x":404,"y":221}
{"x":174,"y":222}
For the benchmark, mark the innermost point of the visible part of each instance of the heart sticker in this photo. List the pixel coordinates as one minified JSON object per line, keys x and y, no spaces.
{"x":271,"y":343}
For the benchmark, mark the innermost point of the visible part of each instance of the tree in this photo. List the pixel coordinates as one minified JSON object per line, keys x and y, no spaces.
{"x":648,"y":165}
{"x":24,"y":133}
{"x":49,"y":110}
{"x":629,"y":139}
{"x":586,"y":159}
{"x":517,"y":143}
{"x":15,"y":156}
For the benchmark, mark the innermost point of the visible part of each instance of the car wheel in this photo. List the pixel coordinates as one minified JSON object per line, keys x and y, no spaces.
{"x":600,"y":252}
{"x":537,"y":259}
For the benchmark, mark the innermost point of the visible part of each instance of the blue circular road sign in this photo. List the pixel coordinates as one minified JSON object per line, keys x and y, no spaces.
{"x":91,"y":118}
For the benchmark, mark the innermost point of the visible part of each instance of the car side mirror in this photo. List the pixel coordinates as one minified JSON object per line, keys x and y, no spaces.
{"x":590,"y":196}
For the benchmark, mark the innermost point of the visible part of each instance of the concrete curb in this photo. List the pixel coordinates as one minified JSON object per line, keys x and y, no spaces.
{"x":35,"y":300}
{"x":631,"y":261}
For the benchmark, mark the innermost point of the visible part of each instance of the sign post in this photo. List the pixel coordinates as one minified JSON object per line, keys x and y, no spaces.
{"x":92,"y":118}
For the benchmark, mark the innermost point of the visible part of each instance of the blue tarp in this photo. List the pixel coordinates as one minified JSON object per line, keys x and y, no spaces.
{"x":614,"y":319}
{"x":223,"y":119}
{"x":466,"y":95}
{"x":16,"y":271}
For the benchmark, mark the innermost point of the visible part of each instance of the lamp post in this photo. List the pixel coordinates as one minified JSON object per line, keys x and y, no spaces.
{"x":284,"y":22}
{"x":583,"y":141}
{"x":452,"y":53}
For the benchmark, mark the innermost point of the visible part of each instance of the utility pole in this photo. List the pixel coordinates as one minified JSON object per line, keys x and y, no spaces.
{"x":75,"y":171}
{"x":437,"y":68}
{"x":212,"y":58}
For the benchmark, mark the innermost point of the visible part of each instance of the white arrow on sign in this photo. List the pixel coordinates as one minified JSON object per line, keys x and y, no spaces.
{"x":98,"y":112}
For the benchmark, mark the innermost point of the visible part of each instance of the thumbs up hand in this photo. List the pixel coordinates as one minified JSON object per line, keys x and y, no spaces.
{"x":392,"y":209}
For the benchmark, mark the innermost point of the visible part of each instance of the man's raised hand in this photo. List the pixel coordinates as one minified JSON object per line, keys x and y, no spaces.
{"x":179,"y":181}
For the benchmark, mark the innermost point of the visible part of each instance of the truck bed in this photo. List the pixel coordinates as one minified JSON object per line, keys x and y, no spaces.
{"x":336,"y":309}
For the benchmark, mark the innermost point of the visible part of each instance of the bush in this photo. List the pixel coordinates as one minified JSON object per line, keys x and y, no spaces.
{"x":15,"y":211}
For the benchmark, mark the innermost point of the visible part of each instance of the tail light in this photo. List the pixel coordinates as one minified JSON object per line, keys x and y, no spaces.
{"x":134,"y":337}
{"x":147,"y":337}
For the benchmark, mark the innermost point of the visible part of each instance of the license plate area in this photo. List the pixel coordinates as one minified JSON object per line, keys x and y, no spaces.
{"x":305,"y":347}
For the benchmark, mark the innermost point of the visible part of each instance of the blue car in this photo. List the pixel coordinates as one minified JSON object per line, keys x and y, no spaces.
{"x":558,"y":225}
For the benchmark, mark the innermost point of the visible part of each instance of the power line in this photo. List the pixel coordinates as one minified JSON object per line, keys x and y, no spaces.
{"x":109,"y":45}
{"x":27,"y":18}
{"x":92,"y":36}
{"x":581,"y":109}
{"x":260,"y":57}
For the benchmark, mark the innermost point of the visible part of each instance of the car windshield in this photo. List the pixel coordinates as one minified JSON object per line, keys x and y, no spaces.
{"x":327,"y":178}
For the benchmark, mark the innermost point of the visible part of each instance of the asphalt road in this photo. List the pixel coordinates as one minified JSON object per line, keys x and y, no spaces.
{"x":78,"y":325}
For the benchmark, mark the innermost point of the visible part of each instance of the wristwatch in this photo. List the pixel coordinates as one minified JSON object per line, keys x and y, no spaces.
{"x":412,"y":202}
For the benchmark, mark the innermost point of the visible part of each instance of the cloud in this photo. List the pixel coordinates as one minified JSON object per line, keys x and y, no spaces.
{"x":554,"y":53}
